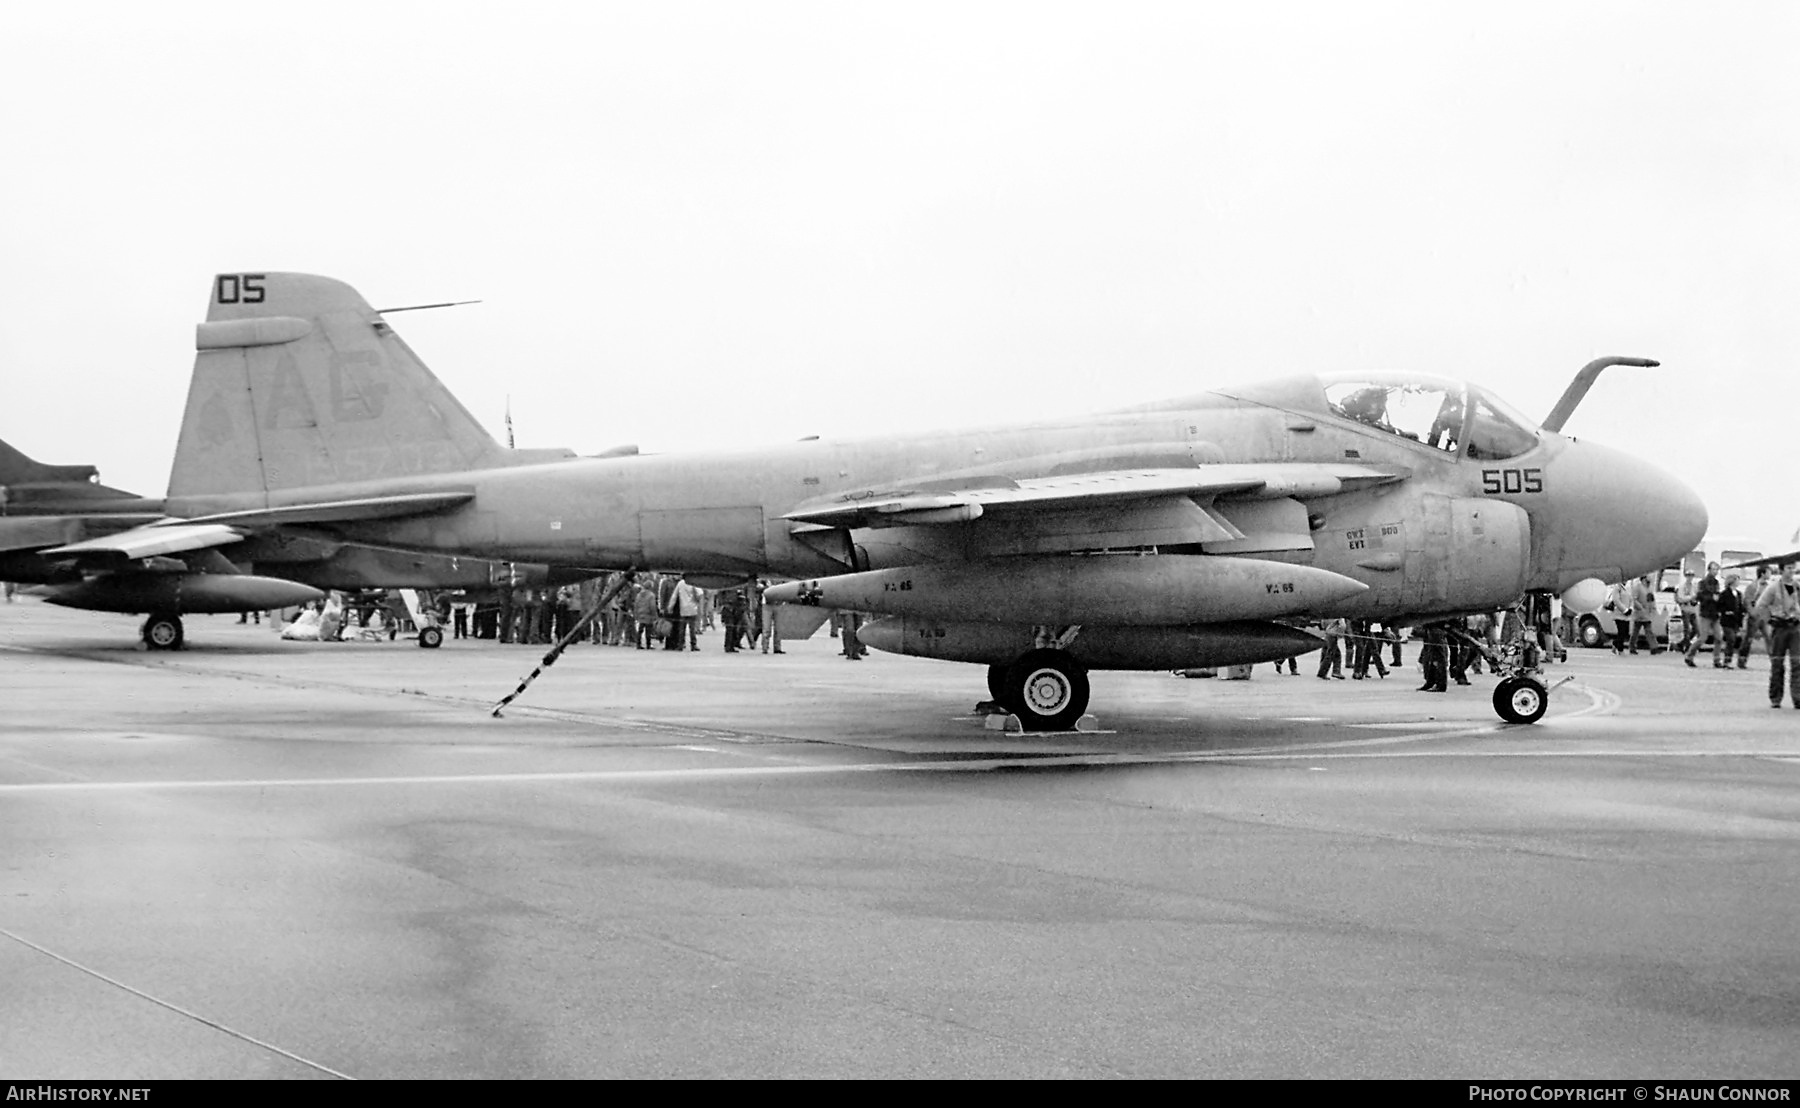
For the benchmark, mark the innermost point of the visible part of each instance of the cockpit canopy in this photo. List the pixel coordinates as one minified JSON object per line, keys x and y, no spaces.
{"x":1445,"y":415}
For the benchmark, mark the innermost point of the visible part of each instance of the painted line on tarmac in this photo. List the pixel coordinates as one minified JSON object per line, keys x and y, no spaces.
{"x":176,"y":1008}
{"x":972,"y":765}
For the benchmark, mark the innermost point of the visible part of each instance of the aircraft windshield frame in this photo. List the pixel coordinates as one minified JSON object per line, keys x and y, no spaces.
{"x":1453,"y":417}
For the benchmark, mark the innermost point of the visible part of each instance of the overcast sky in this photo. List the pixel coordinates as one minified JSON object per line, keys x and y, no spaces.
{"x":698,"y":225}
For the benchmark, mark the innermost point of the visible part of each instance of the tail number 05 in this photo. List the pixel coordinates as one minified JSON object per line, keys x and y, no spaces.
{"x":239,"y":288}
{"x":1496,"y":481}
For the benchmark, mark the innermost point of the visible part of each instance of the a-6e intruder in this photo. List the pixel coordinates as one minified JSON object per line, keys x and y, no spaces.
{"x":1187,"y":533}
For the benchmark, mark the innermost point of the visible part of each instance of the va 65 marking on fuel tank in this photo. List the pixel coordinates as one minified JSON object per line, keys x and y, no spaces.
{"x":1274,"y":589}
{"x":1512,"y":481}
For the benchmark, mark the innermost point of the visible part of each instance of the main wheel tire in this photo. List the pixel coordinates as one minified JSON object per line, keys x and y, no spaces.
{"x":1591,"y":635}
{"x":163,"y":632}
{"x":431,"y":637}
{"x":1521,"y":700}
{"x":998,"y":691}
{"x":1047,"y":690}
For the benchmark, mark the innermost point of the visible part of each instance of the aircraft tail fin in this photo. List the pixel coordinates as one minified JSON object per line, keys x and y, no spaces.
{"x":24,"y":479}
{"x":299,"y":382}
{"x":19,"y":468}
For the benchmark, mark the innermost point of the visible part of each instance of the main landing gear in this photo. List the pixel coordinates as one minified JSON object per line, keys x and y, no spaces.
{"x":162,"y":631}
{"x":1046,"y":689}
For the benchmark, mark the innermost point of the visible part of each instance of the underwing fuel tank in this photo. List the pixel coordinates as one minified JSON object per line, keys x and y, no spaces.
{"x":182,"y":593}
{"x":1143,"y":589}
{"x":1238,"y":643}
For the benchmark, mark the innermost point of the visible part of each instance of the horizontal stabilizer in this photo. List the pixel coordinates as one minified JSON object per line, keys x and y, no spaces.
{"x":147,"y":542}
{"x":39,"y":532}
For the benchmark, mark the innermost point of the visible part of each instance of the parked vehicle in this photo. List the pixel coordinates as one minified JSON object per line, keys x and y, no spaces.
{"x":1666,"y":627}
{"x":1669,"y":626}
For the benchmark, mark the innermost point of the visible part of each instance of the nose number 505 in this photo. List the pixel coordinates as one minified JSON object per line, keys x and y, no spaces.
{"x":1495,"y":481}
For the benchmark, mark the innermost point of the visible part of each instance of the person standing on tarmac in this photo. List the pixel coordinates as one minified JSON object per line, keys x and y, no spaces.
{"x":1687,"y":600}
{"x":1620,"y":603}
{"x":1331,"y":656}
{"x":1731,"y":622}
{"x":853,"y":647}
{"x":1779,"y":604}
{"x":769,"y":633}
{"x":1643,"y":612}
{"x":1706,"y":618}
{"x":684,"y":613}
{"x":731,"y":612}
{"x":643,"y":613}
{"x":1434,"y":657}
{"x":1754,"y":624}
{"x":1366,"y":649}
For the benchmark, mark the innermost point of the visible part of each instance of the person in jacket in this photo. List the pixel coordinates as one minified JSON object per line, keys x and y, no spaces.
{"x":1686,"y":598}
{"x":1620,"y":603}
{"x":1731,"y":622}
{"x":684,"y":612}
{"x":643,"y":613}
{"x":1754,"y":625}
{"x":1434,"y":657}
{"x":1705,"y":622}
{"x":1779,"y":604}
{"x":1364,"y":649}
{"x":733,"y":611}
{"x":1331,"y":657}
{"x":1643,"y":615}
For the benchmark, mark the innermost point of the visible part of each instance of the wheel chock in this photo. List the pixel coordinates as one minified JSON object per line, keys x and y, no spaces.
{"x":1088,"y":724}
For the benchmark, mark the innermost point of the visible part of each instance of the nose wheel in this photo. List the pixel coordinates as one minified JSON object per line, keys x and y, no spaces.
{"x":1521,"y":699}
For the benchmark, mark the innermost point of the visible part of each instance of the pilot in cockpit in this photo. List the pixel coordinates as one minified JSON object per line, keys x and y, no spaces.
{"x":1448,"y":424}
{"x":1367,"y":405}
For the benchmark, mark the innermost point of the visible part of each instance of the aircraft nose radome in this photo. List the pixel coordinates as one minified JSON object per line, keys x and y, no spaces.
{"x":1688,"y":518}
{"x":1674,"y":518}
{"x":1638,"y":517}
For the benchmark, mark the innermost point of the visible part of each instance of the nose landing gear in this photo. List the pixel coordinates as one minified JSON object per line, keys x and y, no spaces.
{"x":1521,"y":699}
{"x":1522,"y":696}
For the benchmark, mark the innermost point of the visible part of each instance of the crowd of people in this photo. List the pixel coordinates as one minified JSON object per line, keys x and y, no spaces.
{"x":1727,"y":614}
{"x":651,"y":611}
{"x":1449,"y":650}
{"x":1720,"y":613}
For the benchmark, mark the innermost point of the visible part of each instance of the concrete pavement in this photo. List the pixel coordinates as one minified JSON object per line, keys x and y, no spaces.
{"x":256,"y":858}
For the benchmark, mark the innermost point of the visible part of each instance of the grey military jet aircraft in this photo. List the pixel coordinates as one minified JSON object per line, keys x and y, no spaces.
{"x":1190,"y":532}
{"x":43,"y":507}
